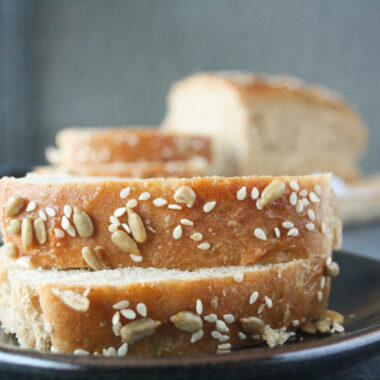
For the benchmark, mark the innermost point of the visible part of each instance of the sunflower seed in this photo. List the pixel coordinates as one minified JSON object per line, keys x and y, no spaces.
{"x":14,"y":227}
{"x":72,"y":299}
{"x":187,"y":321}
{"x":138,"y":330}
{"x":252,"y":325}
{"x":40,"y":230}
{"x":137,"y":226}
{"x":14,"y":206}
{"x":123,"y":241}
{"x":272,"y":192}
{"x":26,"y":233}
{"x":185,"y":194}
{"x":83,"y":223}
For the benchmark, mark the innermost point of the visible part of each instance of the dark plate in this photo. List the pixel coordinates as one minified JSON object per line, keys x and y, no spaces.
{"x":355,"y":294}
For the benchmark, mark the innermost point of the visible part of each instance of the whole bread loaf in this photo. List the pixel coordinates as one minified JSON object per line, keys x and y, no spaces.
{"x":268,"y":125}
{"x":99,"y":223}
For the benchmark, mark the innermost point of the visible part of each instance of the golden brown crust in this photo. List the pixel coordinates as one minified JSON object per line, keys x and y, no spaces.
{"x":153,"y":169}
{"x":91,"y":145}
{"x":294,"y":293}
{"x":228,"y":234}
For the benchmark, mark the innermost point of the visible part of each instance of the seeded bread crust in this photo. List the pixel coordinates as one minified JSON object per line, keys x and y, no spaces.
{"x":263,"y":124}
{"x":231,"y":231}
{"x":191,"y":168}
{"x":288,"y":294}
{"x":124,"y":144}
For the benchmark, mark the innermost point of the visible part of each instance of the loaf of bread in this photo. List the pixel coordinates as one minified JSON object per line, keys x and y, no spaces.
{"x":268,"y":125}
{"x":99,"y":223}
{"x":80,"y":146}
{"x":194,"y":167}
{"x":147,"y":311}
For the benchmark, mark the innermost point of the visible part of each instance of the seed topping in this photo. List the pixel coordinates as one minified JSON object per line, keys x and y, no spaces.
{"x":177,"y":232}
{"x":31,"y":206}
{"x":187,"y":222}
{"x":26,"y":233}
{"x":253,"y":298}
{"x":207,"y":207}
{"x":204,"y":246}
{"x":137,"y":227}
{"x":72,"y":299}
{"x":272,"y":192}
{"x":14,"y":227}
{"x":252,"y":325}
{"x":196,"y":236}
{"x":185,"y":194}
{"x":144,"y":196}
{"x":138,"y":330}
{"x":40,"y":230}
{"x":241,"y":194}
{"x":83,"y":223}
{"x":160,"y":202}
{"x":255,"y":193}
{"x":260,"y":234}
{"x":125,"y":193}
{"x":187,"y":321}
{"x":123,"y":241}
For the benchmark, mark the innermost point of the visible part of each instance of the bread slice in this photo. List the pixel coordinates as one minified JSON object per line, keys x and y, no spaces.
{"x":124,"y":144}
{"x":159,"y":311}
{"x":142,"y":169}
{"x":75,"y":222}
{"x":268,"y":125}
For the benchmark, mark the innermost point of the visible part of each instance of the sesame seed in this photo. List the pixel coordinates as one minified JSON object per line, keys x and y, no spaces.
{"x":320,"y":295}
{"x":116,"y":328}
{"x":121,"y":304}
{"x":204,"y":246}
{"x":260,"y":234}
{"x":238,"y":277}
{"x":299,"y":206}
{"x":242,"y":336}
{"x":128,"y":313}
{"x":253,"y":298}
{"x":31,"y":206}
{"x":258,"y":205}
{"x":224,"y":346}
{"x":293,"y":199}
{"x":123,"y":350}
{"x":255,"y":193}
{"x":261,"y":308}
{"x":125,"y":193}
{"x":79,"y":351}
{"x":115,"y":220}
{"x":50,"y":211}
{"x":305,"y":202}
{"x":287,"y":224}
{"x":197,"y":236}
{"x":177,"y":232}
{"x":323,"y":227}
{"x":318,"y":189}
{"x":293,"y":232}
{"x":268,"y":302}
{"x":132,"y":203}
{"x":221,"y":326}
{"x":47,"y":327}
{"x":187,"y":222}
{"x":142,"y":309}
{"x":310,"y":226}
{"x":207,"y":207}
{"x":196,"y":336}
{"x":126,"y":227}
{"x":42,"y":215}
{"x":136,"y":258}
{"x":323,"y":282}
{"x":303,"y":193}
{"x":314,"y":197}
{"x":242,"y":193}
{"x":294,"y":185}
{"x":120,"y":212}
{"x":211,"y":318}
{"x":113,"y":227}
{"x":144,"y":196}
{"x":71,"y":231}
{"x":67,"y":210}
{"x":175,"y":207}
{"x":116,"y":318}
{"x":277,"y":232}
{"x":215,"y":334}
{"x":58,"y":233}
{"x":229,"y":318}
{"x":310,"y":214}
{"x":65,"y":223}
{"x":295,"y":323}
{"x":159,"y":202}
{"x":199,"y":307}
{"x":328,"y":261}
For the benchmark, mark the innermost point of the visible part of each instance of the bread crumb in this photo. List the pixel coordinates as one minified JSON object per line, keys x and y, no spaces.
{"x":275,"y":337}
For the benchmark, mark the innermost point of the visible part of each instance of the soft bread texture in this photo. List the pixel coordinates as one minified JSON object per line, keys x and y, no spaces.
{"x":124,"y":144}
{"x":142,"y":169}
{"x":270,"y":125}
{"x":235,"y":230}
{"x":32,"y":306}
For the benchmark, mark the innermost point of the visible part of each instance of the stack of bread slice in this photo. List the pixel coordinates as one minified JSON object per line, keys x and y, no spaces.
{"x":128,"y":152}
{"x":164,"y":266}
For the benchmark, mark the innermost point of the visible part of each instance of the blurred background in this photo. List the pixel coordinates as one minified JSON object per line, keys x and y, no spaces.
{"x":111,"y":62}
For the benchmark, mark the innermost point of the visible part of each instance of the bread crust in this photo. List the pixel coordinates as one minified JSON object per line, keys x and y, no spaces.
{"x":125,"y":144}
{"x":152,"y":169}
{"x":229,"y":230}
{"x":292,"y":288}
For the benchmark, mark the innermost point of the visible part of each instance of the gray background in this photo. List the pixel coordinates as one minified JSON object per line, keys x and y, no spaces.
{"x":112,"y":62}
